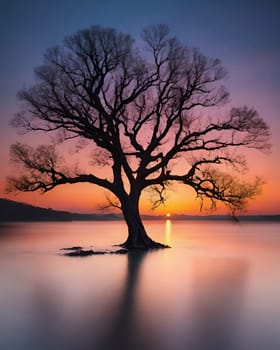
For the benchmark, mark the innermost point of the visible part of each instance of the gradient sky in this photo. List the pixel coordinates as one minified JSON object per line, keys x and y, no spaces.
{"x":243,"y":34}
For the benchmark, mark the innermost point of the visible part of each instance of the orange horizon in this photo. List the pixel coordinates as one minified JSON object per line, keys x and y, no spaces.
{"x":86,"y":198}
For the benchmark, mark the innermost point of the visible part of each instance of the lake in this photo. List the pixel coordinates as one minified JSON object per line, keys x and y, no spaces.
{"x":218,"y":288}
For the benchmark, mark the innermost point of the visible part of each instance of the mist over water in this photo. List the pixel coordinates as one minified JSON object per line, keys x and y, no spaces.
{"x":217,"y":288}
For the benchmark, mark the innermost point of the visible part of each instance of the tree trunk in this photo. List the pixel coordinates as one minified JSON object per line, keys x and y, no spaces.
{"x":137,"y":235}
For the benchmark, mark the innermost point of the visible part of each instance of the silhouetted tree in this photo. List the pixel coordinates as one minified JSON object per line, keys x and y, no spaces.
{"x":143,"y":110}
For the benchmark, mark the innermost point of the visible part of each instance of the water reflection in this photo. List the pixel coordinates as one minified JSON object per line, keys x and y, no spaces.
{"x":116,"y":327}
{"x":123,"y":331}
{"x":219,"y":286}
{"x":7,"y":231}
{"x":168,"y":232}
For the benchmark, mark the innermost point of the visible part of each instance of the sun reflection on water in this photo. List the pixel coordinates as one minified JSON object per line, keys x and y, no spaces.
{"x":168,"y":231}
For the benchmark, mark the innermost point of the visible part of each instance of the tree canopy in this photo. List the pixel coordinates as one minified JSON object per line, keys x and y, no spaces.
{"x":143,"y":108}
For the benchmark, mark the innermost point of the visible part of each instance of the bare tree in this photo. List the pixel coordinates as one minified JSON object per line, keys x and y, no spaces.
{"x":142,"y":109}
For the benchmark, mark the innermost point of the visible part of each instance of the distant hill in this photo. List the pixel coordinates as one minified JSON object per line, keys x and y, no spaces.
{"x":16,"y":211}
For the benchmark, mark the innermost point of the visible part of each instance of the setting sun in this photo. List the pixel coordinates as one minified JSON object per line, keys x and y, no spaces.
{"x":168,"y":215}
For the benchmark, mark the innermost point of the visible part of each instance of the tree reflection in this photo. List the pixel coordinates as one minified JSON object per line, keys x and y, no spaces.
{"x":124,"y":332}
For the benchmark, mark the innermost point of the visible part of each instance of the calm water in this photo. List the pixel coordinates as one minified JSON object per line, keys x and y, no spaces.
{"x":218,"y":288}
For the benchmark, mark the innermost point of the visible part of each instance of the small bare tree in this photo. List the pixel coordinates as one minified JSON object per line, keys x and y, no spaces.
{"x":142,"y":110}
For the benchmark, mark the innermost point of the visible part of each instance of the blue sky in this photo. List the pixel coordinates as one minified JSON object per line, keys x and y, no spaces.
{"x":235,"y":31}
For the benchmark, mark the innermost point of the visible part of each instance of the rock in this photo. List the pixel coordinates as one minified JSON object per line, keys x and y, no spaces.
{"x":72,"y":248}
{"x":79,"y":251}
{"x":82,"y":252}
{"x":120,"y":251}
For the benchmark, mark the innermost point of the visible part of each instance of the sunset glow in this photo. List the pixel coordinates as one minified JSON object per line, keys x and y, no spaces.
{"x":139,"y":175}
{"x":251,"y":60}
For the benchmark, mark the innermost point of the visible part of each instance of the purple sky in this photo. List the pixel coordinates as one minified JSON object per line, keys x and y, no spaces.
{"x":243,"y":34}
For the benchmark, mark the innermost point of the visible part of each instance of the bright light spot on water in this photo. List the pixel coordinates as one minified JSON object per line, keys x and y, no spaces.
{"x":167,"y":232}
